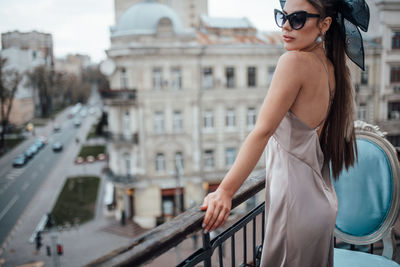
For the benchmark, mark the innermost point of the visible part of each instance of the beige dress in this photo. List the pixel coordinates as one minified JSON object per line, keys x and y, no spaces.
{"x":301,"y":203}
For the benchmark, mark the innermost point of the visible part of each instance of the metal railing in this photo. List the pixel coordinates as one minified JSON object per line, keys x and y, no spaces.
{"x":119,"y":96}
{"x":154,"y":243}
{"x":204,"y":254}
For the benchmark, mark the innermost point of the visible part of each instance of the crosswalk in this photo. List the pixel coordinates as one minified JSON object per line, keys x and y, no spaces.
{"x":9,"y":179}
{"x":14,"y":173}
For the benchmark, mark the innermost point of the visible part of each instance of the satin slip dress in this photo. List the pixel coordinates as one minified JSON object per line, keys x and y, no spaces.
{"x":301,"y":203}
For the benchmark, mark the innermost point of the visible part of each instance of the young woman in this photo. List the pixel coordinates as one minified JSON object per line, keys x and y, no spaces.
{"x":305,"y":126}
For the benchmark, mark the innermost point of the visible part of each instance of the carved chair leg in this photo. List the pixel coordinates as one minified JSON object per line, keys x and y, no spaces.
{"x":389,"y":245}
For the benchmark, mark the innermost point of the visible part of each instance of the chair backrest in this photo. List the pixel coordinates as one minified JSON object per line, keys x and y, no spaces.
{"x":369,"y":192}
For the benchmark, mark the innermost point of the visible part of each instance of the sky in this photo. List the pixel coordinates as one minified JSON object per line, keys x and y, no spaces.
{"x":82,"y":26}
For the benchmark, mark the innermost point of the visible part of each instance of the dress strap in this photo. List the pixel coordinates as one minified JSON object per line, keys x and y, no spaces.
{"x":330,"y":93}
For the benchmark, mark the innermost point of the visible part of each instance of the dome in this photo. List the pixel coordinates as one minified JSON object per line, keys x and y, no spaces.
{"x":144,"y":17}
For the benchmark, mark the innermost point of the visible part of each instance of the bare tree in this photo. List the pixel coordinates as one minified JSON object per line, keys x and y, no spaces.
{"x":9,"y":81}
{"x":41,"y":79}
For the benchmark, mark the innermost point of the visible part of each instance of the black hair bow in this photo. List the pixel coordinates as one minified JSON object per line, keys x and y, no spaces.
{"x":351,"y":15}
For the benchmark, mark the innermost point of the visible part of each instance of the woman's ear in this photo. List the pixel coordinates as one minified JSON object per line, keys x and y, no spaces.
{"x":325,"y":24}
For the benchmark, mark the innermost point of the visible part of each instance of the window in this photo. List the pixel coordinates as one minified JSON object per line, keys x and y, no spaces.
{"x":124,"y":80}
{"x":177,"y":122}
{"x":230,"y":77}
{"x":271,"y":71}
{"x":364,"y":76}
{"x":394,"y":110}
{"x":157,"y":79}
{"x":208,"y":119}
{"x":159,"y":122}
{"x":395,"y":74}
{"x":394,"y":140}
{"x":126,"y":124}
{"x":396,"y":40}
{"x":176,"y":79}
{"x":251,"y":118}
{"x":362,"y":112}
{"x":230,"y":118}
{"x":160,"y":163}
{"x":209,"y":159}
{"x":208,"y":78}
{"x":179,"y":161}
{"x":230,"y":155}
{"x":127,"y":159}
{"x":251,"y":76}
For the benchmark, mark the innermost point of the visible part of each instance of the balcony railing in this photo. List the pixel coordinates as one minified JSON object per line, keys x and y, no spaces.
{"x":121,"y":179}
{"x":168,"y":235}
{"x":156,"y":242}
{"x":123,"y":138}
{"x":118,"y":96}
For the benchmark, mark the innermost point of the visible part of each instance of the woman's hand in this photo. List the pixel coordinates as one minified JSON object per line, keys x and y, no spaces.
{"x":217,"y":206}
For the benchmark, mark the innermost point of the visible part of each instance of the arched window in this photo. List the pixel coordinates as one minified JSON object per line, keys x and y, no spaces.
{"x":124,"y":79}
{"x":160,"y":162}
{"x":179,"y":162}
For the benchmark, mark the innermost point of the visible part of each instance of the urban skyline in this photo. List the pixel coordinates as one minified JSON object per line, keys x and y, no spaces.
{"x":90,"y":21}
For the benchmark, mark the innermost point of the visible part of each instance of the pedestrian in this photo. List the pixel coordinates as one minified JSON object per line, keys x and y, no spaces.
{"x":305,"y":127}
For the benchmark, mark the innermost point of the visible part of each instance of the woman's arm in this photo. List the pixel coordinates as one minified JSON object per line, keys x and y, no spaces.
{"x":286,"y":83}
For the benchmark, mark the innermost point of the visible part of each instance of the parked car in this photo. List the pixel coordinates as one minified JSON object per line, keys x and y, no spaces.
{"x":77,"y":123}
{"x":43,"y":139}
{"x":83,"y":112}
{"x":28,"y":153}
{"x":20,"y":161}
{"x":57,"y":146}
{"x":56,"y":127}
{"x":34,"y":148}
{"x":39,"y":144}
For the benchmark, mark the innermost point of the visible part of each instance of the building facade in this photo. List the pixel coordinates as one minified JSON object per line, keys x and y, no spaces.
{"x":24,"y":52}
{"x":182,"y":100}
{"x":189,"y":11}
{"x":378,"y":87}
{"x":184,"y":96}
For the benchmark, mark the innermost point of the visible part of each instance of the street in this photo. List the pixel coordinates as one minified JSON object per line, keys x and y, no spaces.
{"x":28,"y":193}
{"x":18,"y":186}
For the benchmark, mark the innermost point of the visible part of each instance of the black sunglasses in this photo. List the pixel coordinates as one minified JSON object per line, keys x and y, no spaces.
{"x":296,"y":19}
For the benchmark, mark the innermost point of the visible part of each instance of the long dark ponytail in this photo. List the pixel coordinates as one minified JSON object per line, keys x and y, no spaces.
{"x":338,"y":140}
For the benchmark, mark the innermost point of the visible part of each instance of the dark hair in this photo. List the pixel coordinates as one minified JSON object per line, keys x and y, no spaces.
{"x":338,"y":145}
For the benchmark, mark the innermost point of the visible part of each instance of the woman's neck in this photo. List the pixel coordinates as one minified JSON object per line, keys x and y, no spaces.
{"x":315,"y":48}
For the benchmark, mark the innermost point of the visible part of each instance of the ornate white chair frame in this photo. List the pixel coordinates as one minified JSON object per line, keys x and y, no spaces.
{"x":386,"y":230}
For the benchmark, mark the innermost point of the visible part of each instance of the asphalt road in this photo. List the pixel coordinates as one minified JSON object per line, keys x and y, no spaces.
{"x":19,"y":185}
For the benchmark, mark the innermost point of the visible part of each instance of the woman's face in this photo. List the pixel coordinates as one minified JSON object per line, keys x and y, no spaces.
{"x":305,"y":38}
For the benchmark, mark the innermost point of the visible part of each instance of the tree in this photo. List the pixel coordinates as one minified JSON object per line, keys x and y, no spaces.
{"x":42,"y":80}
{"x":9,"y":81}
{"x":92,"y":75}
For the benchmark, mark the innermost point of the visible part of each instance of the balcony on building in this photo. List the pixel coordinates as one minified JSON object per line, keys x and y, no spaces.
{"x":123,"y":139}
{"x":126,"y":179}
{"x":119,"y":97}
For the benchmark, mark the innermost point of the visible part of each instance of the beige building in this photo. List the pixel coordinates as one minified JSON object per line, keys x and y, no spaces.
{"x":24,"y":51}
{"x":378,"y":87}
{"x":181,"y":99}
{"x":189,"y":11}
{"x":72,"y":64}
{"x":187,"y":95}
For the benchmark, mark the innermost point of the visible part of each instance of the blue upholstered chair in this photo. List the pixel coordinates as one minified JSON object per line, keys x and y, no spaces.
{"x":369,"y":200}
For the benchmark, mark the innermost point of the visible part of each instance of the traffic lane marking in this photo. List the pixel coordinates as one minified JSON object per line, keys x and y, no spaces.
{"x":8,"y":207}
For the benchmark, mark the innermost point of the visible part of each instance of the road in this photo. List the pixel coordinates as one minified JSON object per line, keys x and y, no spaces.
{"x":19,"y":185}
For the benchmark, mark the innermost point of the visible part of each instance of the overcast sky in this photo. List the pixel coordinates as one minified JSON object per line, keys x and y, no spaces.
{"x":82,"y":26}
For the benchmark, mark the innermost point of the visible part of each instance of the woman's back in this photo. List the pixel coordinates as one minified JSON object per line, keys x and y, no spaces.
{"x":313,"y":100}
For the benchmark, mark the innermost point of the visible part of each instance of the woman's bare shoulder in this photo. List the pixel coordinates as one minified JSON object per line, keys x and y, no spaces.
{"x":294,"y":62}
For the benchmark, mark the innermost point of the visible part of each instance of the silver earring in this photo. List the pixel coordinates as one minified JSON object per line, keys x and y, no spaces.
{"x":319,"y":39}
